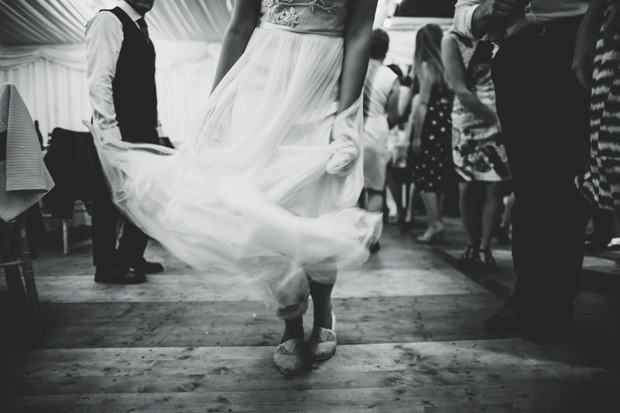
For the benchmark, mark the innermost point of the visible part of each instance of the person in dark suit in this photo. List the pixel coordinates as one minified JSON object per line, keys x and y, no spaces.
{"x":121,"y":79}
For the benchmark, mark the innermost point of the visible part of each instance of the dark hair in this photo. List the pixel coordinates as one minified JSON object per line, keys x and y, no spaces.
{"x":380,"y":44}
{"x":428,"y":50}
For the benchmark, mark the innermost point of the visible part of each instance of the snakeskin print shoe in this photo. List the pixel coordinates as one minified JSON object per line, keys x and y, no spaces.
{"x":288,"y":357}
{"x":323,"y":341}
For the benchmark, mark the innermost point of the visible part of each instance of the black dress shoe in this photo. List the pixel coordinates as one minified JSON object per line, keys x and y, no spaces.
{"x":118,"y":275}
{"x":553,"y":323}
{"x":145,"y":267}
{"x":516,"y":315}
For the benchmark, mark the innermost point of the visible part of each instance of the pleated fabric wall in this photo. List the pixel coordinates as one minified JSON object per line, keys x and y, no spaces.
{"x":42,"y":52}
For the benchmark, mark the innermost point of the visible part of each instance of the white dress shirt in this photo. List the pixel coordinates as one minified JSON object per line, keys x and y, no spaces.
{"x":104,"y":39}
{"x":537,"y":12}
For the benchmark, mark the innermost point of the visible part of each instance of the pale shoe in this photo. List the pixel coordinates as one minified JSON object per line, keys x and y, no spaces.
{"x":288,"y":357}
{"x":323,"y":341}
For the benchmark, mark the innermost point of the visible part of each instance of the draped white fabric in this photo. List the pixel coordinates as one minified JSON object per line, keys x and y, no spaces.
{"x":52,"y":81}
{"x":42,"y":51}
{"x":26,"y":22}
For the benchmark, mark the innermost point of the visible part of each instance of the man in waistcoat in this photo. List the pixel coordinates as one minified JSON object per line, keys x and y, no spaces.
{"x":121,"y":79}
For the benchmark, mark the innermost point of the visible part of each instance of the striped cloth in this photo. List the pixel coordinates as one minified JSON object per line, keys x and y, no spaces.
{"x":601,"y":181}
{"x":24,"y":179}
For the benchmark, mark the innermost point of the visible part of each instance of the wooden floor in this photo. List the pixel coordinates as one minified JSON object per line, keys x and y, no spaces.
{"x":409,"y":332}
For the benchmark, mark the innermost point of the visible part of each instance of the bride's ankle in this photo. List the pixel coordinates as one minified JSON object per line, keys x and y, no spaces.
{"x":293,"y":329}
{"x":323,"y":318}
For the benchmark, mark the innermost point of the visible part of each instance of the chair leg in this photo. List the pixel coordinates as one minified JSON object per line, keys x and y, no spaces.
{"x":28,"y":272}
{"x":15,"y":287}
{"x":65,"y":237}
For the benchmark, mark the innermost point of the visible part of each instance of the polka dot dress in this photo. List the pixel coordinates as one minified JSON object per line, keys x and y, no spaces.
{"x":434,"y":162}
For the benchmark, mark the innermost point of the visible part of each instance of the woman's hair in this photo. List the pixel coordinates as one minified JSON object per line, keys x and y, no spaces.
{"x":428,"y":50}
{"x":379,"y":45}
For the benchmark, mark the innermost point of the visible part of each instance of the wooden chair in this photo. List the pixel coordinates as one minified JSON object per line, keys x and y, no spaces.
{"x":15,"y":254}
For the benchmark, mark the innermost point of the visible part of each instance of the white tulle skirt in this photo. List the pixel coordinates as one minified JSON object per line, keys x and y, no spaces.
{"x":247,"y":199}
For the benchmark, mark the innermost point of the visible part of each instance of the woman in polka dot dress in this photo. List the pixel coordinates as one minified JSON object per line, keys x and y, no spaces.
{"x":432,"y":129}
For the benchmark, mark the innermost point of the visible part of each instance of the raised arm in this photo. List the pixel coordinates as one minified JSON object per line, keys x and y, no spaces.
{"x":357,"y":37}
{"x":476,"y":18}
{"x":242,"y":24}
{"x":455,"y":72}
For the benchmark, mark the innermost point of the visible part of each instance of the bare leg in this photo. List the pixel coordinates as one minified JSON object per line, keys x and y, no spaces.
{"x":396,"y":188}
{"x":440,"y":201}
{"x":490,"y":209}
{"x":410,"y":195}
{"x":507,"y":215}
{"x":469,"y":203}
{"x":322,"y":300}
{"x":435,"y":226}
{"x":431,"y":203}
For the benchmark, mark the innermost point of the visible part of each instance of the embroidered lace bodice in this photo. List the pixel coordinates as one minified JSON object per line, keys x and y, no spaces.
{"x":313,"y":16}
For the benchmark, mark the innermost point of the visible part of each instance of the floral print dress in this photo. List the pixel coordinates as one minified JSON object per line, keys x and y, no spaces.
{"x":477,"y":150}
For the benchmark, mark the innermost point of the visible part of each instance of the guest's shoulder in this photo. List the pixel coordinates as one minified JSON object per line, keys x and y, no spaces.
{"x":102,"y":20}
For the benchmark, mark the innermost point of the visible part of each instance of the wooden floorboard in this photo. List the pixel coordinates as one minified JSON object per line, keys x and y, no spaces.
{"x":360,"y":320}
{"x":193,"y":287}
{"x":484,"y":371}
{"x":409,"y":332}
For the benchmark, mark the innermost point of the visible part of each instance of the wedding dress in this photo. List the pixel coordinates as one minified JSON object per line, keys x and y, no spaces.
{"x":255,"y":195}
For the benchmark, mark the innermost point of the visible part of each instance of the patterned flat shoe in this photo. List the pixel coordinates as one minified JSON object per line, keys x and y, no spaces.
{"x":323,"y":341}
{"x":288,"y":357}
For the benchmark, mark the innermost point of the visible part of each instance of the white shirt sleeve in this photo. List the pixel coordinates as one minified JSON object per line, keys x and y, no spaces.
{"x":104,"y":39}
{"x":463,"y":15}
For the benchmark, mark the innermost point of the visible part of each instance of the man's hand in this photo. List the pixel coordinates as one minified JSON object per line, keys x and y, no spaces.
{"x":583,"y":58}
{"x":495,"y":13}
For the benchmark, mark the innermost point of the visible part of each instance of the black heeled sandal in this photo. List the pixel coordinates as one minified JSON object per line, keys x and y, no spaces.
{"x":469,"y":257}
{"x":486,"y":261}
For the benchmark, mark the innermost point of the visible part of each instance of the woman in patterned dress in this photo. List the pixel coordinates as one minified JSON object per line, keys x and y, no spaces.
{"x":478,"y":153}
{"x":597,"y":66}
{"x":432,"y":129}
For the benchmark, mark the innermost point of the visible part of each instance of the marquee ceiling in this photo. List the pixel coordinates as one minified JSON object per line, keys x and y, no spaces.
{"x":27,"y":22}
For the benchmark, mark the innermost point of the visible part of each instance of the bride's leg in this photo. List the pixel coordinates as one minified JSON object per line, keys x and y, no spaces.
{"x":293,"y":328}
{"x":323,"y":341}
{"x":322,"y":300}
{"x":292,"y":297}
{"x":321,"y":285}
{"x":291,"y":291}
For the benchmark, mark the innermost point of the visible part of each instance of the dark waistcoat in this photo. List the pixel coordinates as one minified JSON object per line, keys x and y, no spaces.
{"x":133,"y":87}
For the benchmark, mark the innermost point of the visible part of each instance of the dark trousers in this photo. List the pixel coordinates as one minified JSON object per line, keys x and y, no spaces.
{"x":544,"y":116}
{"x":105,"y":221}
{"x":106,"y":217}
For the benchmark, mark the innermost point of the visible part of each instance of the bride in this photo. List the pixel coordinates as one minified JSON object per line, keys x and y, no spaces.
{"x":263,"y":191}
